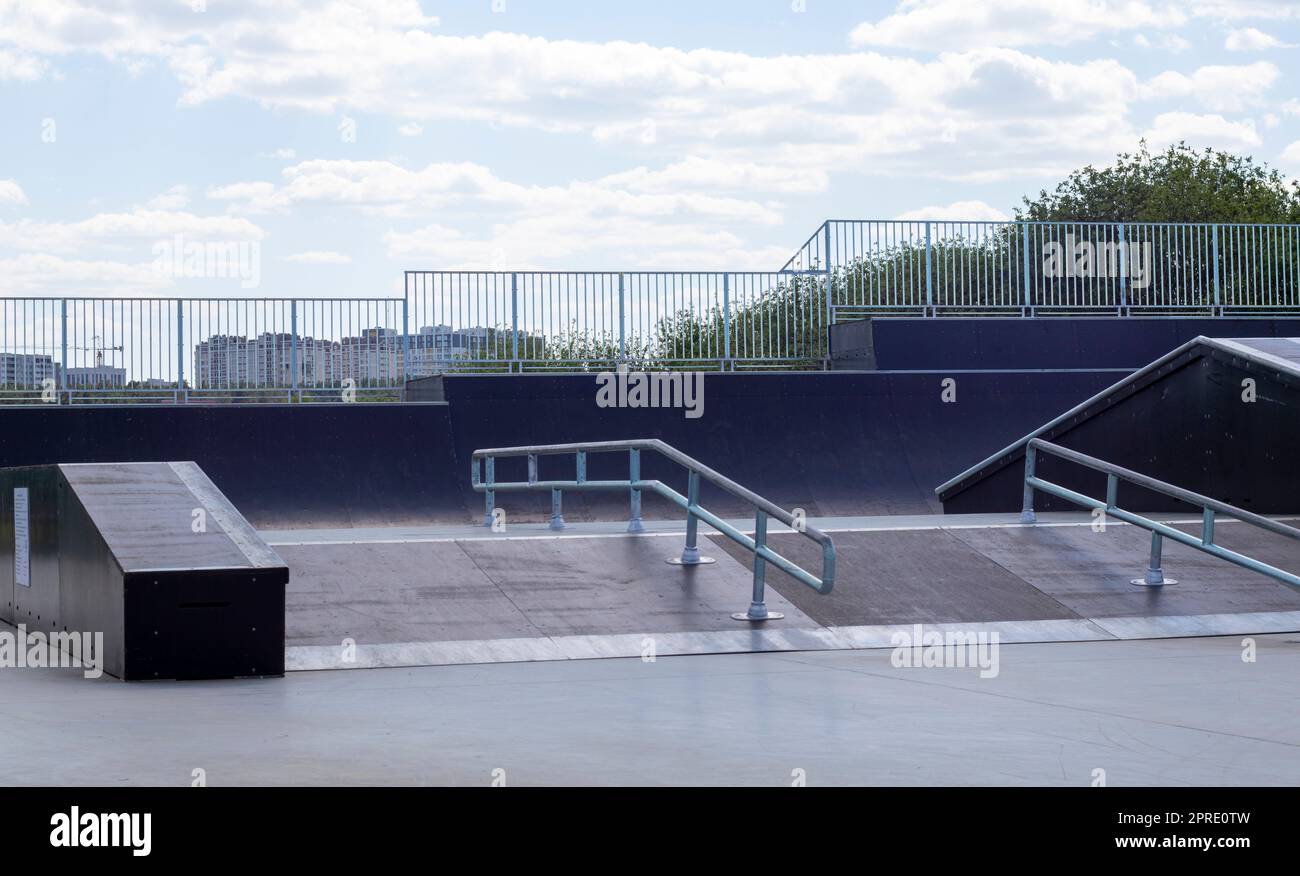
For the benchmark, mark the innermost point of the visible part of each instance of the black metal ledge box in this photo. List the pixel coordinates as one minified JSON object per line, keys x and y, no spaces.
{"x":150,"y":554}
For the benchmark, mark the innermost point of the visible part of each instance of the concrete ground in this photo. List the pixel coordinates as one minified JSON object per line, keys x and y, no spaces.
{"x":1157,"y":712}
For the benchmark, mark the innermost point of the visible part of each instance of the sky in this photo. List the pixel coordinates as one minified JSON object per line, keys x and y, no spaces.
{"x":341,"y":143}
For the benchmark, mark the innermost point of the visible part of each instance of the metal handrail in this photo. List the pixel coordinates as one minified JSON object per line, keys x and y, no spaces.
{"x":487,"y":484}
{"x":1159,"y":531}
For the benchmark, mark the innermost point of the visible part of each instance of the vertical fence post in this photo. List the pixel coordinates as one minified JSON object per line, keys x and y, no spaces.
{"x":293,"y":348}
{"x":514,"y":320}
{"x":830,"y":313}
{"x":63,"y":371}
{"x":489,"y":495}
{"x":180,"y":350}
{"x":1024,"y":267}
{"x":1214,"y":237}
{"x":726,"y":321}
{"x":1123,"y":269}
{"x":929,"y":271}
{"x":622,"y":325}
{"x":406,"y":344}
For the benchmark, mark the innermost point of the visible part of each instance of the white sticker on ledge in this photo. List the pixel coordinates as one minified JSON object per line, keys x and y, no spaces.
{"x":22,"y":543}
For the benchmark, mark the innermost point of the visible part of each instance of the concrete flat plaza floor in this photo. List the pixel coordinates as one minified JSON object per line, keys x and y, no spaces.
{"x":1155,"y":712}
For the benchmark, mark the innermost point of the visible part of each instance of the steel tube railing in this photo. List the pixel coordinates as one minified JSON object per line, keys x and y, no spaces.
{"x":483,"y":480}
{"x":1210,"y":509}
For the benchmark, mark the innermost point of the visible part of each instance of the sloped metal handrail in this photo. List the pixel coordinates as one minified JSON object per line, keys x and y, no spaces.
{"x":1159,"y":531}
{"x":485,"y":482}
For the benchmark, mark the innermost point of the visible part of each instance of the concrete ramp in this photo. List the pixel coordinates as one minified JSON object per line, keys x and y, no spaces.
{"x":418,"y":602}
{"x":436,"y":596}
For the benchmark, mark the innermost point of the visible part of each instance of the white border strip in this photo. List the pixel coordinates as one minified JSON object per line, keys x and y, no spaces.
{"x":301,"y":658}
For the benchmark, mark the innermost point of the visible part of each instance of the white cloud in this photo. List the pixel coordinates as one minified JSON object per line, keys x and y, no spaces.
{"x":956,"y":24}
{"x":1291,"y":155}
{"x":1201,"y":130}
{"x":1167,"y":42}
{"x":860,"y":110}
{"x":12,"y":193}
{"x":123,"y":230}
{"x":45,"y":274}
{"x":1221,"y":88}
{"x":977,"y":211}
{"x":538,"y":242}
{"x":386,"y":188}
{"x":411,"y":129}
{"x":175,"y":198}
{"x":285,"y":153}
{"x":696,"y":173}
{"x":19,"y":66}
{"x":319,"y":257}
{"x":1249,"y":39}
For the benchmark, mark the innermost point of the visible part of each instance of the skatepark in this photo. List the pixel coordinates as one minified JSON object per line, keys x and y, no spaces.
{"x":491,"y":558}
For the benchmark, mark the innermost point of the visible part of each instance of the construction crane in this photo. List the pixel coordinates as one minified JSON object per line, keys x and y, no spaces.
{"x":100,"y":350}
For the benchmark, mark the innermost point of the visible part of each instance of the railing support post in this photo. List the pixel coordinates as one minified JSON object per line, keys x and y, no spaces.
{"x":830,"y":312}
{"x":1155,"y":576}
{"x":63,"y":370}
{"x":1026,"y":298}
{"x":514,"y":321}
{"x":406,"y":345}
{"x":1027,"y":506}
{"x":634,"y":523}
{"x":489,"y":495}
{"x":726,"y":320}
{"x":180,"y":350}
{"x":758,"y":605}
{"x":557,"y":510}
{"x":1123,"y":270}
{"x":1214,"y":232}
{"x":622,"y":321}
{"x":293,"y":347}
{"x":929,"y":272}
{"x":691,"y":552}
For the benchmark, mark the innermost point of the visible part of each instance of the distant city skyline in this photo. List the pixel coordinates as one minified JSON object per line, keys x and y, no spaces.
{"x":376,"y":355}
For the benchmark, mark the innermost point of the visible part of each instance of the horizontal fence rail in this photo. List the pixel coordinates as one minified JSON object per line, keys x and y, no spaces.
{"x":1211,"y":509}
{"x":937,"y":267}
{"x":483,"y":478}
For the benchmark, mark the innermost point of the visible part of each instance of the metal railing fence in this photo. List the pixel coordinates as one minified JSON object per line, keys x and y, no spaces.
{"x":530,"y":320}
{"x":484,"y":480}
{"x":83,"y":350}
{"x":87,"y":350}
{"x":964,"y":267}
{"x":1211,"y":509}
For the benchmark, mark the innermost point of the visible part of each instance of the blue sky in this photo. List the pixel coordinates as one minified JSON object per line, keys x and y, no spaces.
{"x":352,"y":140}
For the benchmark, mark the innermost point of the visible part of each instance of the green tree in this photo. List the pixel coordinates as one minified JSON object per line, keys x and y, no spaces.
{"x":1181,"y":184}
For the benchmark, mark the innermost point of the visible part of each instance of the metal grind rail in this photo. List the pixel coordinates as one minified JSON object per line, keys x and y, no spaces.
{"x":1210,"y":508}
{"x":483,"y":478}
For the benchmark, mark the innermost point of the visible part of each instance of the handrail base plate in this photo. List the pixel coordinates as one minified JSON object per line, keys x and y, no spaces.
{"x":1143,"y":582}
